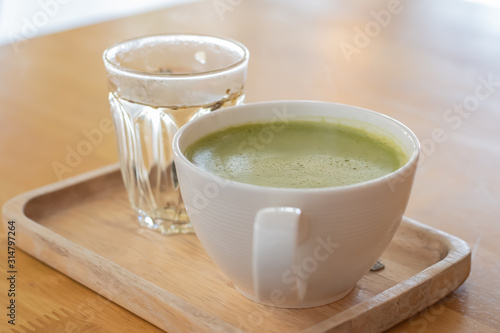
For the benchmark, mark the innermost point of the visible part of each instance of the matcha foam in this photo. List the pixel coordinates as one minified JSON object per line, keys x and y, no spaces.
{"x":297,"y":154}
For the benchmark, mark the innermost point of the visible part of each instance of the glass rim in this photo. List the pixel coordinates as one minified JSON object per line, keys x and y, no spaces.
{"x":239,"y":62}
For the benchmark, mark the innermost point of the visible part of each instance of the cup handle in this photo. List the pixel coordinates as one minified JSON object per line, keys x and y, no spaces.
{"x":277,"y":232}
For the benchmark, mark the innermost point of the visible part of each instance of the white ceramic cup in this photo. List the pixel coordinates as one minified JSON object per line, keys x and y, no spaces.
{"x":291,"y":247}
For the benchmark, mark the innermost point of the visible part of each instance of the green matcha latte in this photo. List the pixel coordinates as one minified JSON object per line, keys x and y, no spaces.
{"x":297,"y":154}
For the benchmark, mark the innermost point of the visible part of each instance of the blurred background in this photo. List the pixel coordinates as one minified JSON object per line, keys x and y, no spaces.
{"x":30,"y":18}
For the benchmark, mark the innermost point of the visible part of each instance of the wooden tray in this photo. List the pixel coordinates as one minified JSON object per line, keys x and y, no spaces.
{"x":84,"y":228}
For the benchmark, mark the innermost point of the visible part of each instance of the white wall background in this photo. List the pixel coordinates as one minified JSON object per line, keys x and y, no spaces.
{"x":29,"y":18}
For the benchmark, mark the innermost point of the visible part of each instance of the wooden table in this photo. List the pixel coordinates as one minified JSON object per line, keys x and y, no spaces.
{"x":434,"y":65}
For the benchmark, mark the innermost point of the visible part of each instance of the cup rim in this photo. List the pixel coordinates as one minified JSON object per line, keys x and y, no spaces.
{"x":412,"y":160}
{"x":108,"y":61}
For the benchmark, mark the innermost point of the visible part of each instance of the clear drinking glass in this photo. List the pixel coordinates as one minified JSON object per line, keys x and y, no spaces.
{"x":157,"y":84}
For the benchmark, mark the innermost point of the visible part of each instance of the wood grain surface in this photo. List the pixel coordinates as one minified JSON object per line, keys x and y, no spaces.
{"x":434,"y":65}
{"x":84,"y":228}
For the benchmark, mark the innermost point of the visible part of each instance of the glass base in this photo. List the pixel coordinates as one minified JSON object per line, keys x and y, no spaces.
{"x":166,"y":227}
